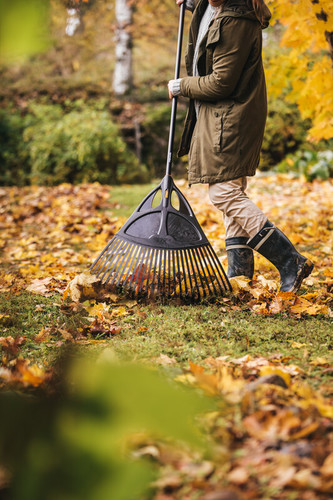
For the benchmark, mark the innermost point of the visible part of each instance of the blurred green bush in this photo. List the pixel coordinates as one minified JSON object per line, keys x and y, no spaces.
{"x":78,"y":142}
{"x":14,"y":157}
{"x":76,"y":443}
{"x":50,"y":145}
{"x":284,"y":133}
{"x":310,"y":163}
{"x":156,"y":135}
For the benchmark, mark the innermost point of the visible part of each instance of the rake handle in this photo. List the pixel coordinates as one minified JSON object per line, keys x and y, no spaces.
{"x":174,"y":99}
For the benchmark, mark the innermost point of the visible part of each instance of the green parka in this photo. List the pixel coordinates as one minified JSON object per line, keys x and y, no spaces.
{"x":224,"y":142}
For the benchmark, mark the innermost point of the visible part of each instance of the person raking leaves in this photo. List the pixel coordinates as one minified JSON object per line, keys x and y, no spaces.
{"x":224,"y":129}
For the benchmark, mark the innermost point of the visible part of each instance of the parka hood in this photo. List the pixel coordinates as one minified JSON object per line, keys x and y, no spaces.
{"x":240,"y":7}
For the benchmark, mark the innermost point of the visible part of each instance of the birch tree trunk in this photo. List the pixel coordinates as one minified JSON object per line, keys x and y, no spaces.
{"x":122,"y":77}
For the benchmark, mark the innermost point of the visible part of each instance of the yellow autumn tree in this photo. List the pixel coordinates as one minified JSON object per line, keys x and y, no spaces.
{"x":304,"y":69}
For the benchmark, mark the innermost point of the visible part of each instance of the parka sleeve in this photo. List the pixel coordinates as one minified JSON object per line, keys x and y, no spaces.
{"x":190,"y":5}
{"x":229,"y":58}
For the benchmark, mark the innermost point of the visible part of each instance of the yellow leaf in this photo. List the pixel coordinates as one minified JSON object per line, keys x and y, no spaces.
{"x":83,"y":286}
{"x":274,"y":370}
{"x":320,"y":362}
{"x":298,"y":345}
{"x":98,"y":310}
{"x":239,"y":283}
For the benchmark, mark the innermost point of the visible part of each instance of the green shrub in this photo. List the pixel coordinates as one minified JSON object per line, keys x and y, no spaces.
{"x":312,"y":164}
{"x":14,"y":161}
{"x":156,"y":135}
{"x":82,"y":145}
{"x":284,"y":133}
{"x":50,"y":145}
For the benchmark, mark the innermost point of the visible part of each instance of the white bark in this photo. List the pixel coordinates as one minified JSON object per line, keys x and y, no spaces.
{"x":73,"y":22}
{"x":122,"y":77}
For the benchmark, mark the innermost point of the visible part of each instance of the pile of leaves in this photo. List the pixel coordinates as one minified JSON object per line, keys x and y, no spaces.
{"x":49,"y":235}
{"x":270,"y":433}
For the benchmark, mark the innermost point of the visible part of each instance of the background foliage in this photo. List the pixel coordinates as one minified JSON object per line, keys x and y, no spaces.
{"x":42,"y":86}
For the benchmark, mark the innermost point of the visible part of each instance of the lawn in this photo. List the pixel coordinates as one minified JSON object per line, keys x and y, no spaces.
{"x":50,"y":235}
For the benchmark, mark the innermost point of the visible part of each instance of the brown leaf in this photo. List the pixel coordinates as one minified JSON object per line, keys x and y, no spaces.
{"x":39,"y":286}
{"x":239,"y":475}
{"x":327,"y":468}
{"x":66,"y":334}
{"x":12,"y":345}
{"x":163,"y":359}
{"x":30,"y":374}
{"x":84,"y":286}
{"x":43,"y":335}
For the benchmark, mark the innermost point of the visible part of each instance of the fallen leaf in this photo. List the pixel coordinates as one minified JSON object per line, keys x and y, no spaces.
{"x":84,"y":286}
{"x":39,"y":286}
{"x":12,"y":345}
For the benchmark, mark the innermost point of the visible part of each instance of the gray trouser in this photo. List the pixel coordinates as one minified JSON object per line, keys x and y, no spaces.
{"x":241,"y":216}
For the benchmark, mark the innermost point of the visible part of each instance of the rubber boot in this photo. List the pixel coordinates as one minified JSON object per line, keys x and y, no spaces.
{"x":275,"y":246}
{"x":240,"y":257}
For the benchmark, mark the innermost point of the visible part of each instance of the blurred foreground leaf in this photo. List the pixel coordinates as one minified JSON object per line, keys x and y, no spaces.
{"x":73,"y":445}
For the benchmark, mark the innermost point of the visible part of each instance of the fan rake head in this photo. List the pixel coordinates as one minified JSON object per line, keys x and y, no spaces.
{"x":162,"y":252}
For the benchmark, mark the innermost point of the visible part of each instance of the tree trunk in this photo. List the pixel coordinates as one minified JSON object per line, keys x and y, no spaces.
{"x":122,"y":77}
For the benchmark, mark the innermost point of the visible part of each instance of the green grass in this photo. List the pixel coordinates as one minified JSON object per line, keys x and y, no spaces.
{"x":127,"y":198}
{"x":192,"y":332}
{"x":197,"y":332}
{"x":182,"y":332}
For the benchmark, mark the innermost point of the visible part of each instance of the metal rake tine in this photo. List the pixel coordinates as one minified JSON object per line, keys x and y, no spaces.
{"x":219,"y":267}
{"x":135,"y":253}
{"x":211,"y":270}
{"x":192,"y":282}
{"x":123,"y":265}
{"x":200,"y":259}
{"x":114,"y":261}
{"x":152,"y":286}
{"x":179,"y":275}
{"x":194,"y":275}
{"x":208,"y":266}
{"x":174,"y":252}
{"x":101,"y":253}
{"x":169,"y":270}
{"x":213,"y":267}
{"x":118,"y":246}
{"x":105,"y":256}
{"x":184,"y":271}
{"x":197,"y":262}
{"x":151,"y":258}
{"x":146,"y":257}
{"x":136,"y":270}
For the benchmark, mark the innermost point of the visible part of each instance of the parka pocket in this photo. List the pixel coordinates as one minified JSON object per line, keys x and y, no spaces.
{"x":217,"y":130}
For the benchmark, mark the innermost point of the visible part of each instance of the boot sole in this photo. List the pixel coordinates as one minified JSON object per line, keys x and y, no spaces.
{"x":303,"y":273}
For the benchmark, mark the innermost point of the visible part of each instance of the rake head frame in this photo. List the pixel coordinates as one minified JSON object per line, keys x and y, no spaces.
{"x":162,"y":251}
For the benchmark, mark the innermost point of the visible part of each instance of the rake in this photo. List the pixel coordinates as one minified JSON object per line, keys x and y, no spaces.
{"x":162,"y":251}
